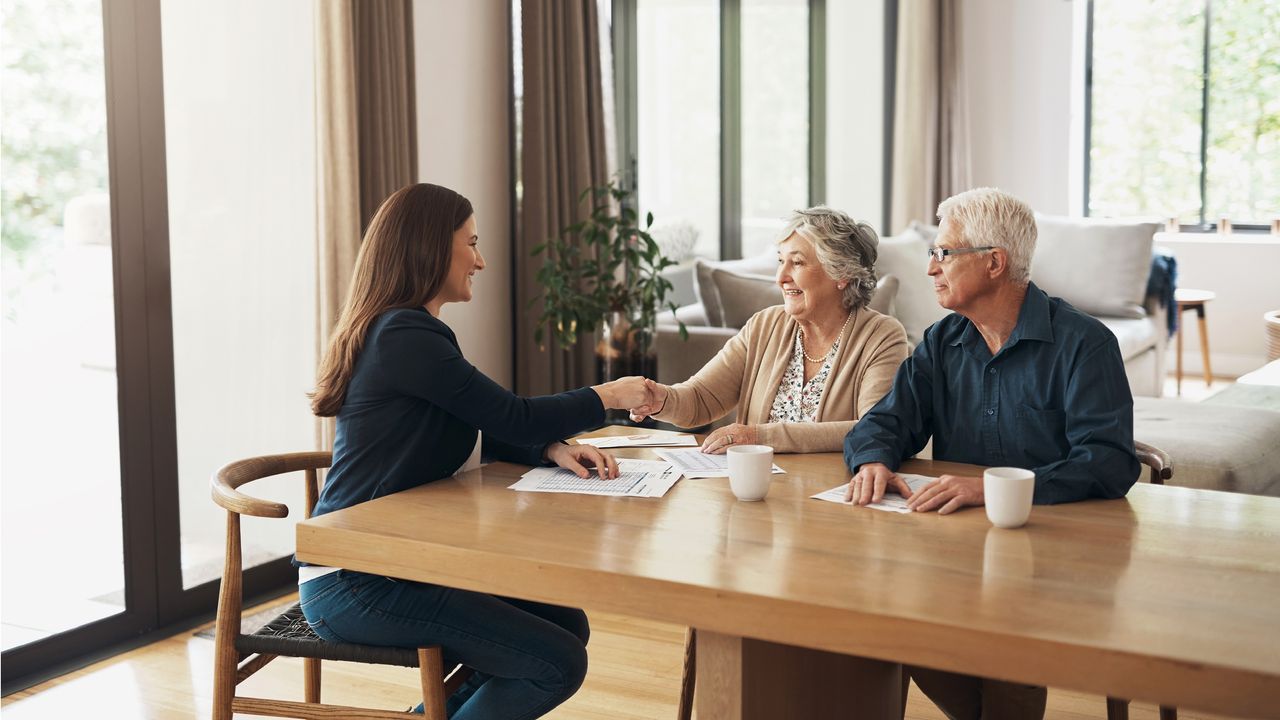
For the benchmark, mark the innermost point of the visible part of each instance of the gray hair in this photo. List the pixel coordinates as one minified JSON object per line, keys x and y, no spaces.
{"x":987,"y":216}
{"x":846,"y":249}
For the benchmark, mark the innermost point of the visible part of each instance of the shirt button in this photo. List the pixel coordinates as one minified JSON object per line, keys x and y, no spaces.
{"x":991,"y":412}
{"x":992,"y":371}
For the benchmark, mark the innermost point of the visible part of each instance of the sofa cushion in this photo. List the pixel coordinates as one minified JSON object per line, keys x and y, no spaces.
{"x":765,"y":263}
{"x":1135,"y":335}
{"x":743,"y":295}
{"x":916,"y":307}
{"x":1217,"y":447}
{"x":886,"y":293}
{"x":1100,"y":266}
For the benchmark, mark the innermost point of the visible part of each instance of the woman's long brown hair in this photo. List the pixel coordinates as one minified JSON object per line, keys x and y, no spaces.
{"x":402,"y":263}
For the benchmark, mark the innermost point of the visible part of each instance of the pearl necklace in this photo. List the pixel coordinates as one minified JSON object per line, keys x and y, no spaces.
{"x":833,"y":342}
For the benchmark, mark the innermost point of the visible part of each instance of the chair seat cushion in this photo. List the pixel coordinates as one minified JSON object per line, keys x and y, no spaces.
{"x":290,"y":635}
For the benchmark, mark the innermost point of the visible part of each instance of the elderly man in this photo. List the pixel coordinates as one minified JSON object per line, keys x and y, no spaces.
{"x":1012,"y":378}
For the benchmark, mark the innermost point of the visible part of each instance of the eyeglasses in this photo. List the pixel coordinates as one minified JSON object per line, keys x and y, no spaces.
{"x":940,"y":254}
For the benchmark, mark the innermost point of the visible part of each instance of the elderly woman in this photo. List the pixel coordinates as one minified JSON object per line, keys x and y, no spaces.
{"x":799,"y":374}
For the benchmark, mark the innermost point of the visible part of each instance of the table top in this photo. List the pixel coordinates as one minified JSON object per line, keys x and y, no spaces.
{"x":1190,"y":296}
{"x":1169,"y":595}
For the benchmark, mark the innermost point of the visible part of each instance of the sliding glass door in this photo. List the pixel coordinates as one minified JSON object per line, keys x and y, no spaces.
{"x":159,"y":308}
{"x":59,"y":452}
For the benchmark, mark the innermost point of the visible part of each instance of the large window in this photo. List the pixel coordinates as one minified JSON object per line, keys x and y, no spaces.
{"x":1184,"y":110}
{"x":717,"y":102}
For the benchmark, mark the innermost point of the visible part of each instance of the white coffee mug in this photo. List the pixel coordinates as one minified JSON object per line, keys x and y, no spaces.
{"x":1007,"y":492}
{"x":750,"y":467}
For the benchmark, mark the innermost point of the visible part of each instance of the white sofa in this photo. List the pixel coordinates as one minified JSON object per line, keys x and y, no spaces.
{"x":1100,"y":267}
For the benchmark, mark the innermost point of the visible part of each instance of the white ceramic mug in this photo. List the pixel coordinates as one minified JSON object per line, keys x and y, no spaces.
{"x":1007,"y":492}
{"x":750,"y":469}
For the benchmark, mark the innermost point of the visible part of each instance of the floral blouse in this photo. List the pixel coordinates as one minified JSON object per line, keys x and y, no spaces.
{"x":797,"y":400}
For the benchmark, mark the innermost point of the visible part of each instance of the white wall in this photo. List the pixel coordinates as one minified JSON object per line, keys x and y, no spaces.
{"x":1018,"y":61}
{"x":463,"y":128}
{"x":1241,"y":270}
{"x":855,"y":109}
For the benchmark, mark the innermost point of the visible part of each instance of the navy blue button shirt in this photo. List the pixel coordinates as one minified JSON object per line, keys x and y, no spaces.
{"x":1054,"y":399}
{"x":413,"y":407}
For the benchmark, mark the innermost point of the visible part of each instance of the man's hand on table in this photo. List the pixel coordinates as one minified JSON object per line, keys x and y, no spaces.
{"x":577,"y":458}
{"x":947,"y":494}
{"x":869,"y":484}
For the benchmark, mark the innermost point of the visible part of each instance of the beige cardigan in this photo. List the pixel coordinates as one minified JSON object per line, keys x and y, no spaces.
{"x":748,"y":370}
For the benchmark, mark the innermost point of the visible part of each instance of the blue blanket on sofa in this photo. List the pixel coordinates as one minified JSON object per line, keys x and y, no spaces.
{"x":1162,"y":281}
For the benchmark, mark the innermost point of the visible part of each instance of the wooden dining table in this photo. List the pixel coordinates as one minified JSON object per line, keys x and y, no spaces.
{"x":807,"y":608}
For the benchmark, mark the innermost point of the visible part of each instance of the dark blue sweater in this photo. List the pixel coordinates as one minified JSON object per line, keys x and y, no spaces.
{"x":414,"y":404}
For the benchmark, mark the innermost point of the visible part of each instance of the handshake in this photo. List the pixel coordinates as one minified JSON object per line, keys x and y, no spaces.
{"x":640,"y":396}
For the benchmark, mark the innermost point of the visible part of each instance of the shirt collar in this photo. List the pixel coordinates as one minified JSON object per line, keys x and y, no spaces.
{"x":1034,"y":323}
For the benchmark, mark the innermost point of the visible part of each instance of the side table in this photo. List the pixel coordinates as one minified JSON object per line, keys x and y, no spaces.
{"x":1188,"y":299}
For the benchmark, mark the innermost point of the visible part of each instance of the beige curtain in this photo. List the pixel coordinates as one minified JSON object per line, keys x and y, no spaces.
{"x":385,"y":104}
{"x":563,"y":153}
{"x":366,"y":143}
{"x":930,"y":119}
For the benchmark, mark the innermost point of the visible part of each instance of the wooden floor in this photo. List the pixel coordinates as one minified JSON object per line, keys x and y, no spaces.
{"x":635,"y":675}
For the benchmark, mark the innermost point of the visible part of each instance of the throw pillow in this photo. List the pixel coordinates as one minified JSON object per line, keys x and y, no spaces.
{"x":766,"y":263}
{"x":1099,"y":266}
{"x":705,"y":288}
{"x":743,"y":295}
{"x":916,"y":306}
{"x":886,"y":291}
{"x":924,"y":230}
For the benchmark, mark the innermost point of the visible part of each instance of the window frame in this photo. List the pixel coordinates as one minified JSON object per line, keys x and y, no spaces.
{"x":156,"y":601}
{"x":626,"y":88}
{"x":1205,"y":225}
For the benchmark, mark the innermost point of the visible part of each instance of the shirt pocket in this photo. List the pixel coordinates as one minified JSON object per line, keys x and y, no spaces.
{"x":1042,"y":434}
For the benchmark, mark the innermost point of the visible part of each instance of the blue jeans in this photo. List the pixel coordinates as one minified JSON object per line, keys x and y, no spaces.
{"x":529,"y":657}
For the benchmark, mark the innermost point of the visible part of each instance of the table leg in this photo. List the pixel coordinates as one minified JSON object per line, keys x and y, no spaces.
{"x":1178,"y":352}
{"x":1204,"y":345}
{"x":745,"y":679}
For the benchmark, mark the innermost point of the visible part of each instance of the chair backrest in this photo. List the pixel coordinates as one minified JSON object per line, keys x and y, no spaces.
{"x":1158,"y":460}
{"x":224,"y":487}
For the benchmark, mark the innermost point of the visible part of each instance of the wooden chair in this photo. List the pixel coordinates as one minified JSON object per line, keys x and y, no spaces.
{"x":238,"y":656}
{"x":1161,"y":466}
{"x":1117,"y":709}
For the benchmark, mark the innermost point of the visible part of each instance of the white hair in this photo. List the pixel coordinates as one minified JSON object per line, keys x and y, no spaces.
{"x":987,"y":216}
{"x":846,"y":250}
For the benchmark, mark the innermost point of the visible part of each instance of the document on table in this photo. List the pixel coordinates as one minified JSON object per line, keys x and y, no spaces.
{"x":697,"y":464}
{"x":636,"y":478}
{"x":648,"y":440}
{"x":892,"y":501}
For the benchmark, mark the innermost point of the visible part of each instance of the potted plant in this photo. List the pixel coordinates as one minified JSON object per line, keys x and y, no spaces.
{"x":604,"y":274}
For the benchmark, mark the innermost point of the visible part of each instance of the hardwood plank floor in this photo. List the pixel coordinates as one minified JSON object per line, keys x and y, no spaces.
{"x":635,"y":675}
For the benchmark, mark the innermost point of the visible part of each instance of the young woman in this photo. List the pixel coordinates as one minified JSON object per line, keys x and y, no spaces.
{"x":408,"y":408}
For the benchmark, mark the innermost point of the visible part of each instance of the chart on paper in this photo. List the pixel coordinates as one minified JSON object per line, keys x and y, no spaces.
{"x":891,"y":502}
{"x":636,"y":478}
{"x":694,"y":463}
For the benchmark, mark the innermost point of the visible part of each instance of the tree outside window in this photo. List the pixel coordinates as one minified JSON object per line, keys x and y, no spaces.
{"x":1163,"y":141}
